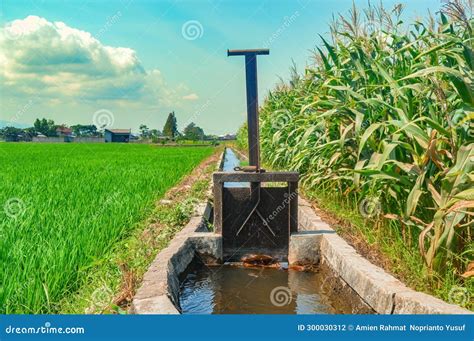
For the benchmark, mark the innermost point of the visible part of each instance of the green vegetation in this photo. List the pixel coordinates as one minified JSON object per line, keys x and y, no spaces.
{"x":111,"y":284}
{"x":49,"y":128}
{"x":147,"y":133}
{"x":193,"y":132}
{"x":84,"y":130}
{"x":45,"y":127}
{"x":384,"y":122}
{"x":66,"y":207}
{"x":170,"y":129}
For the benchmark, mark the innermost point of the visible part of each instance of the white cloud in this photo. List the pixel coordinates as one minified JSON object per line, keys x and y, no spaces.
{"x":52,"y":60}
{"x":191,"y":97}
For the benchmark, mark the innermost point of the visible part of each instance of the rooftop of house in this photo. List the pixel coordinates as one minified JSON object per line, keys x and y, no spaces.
{"x":119,"y":131}
{"x":64,"y":130}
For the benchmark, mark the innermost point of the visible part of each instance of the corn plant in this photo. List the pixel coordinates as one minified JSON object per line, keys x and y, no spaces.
{"x":387,"y":112}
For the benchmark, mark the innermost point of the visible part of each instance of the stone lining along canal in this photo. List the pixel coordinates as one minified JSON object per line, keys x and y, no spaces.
{"x":235,"y":289}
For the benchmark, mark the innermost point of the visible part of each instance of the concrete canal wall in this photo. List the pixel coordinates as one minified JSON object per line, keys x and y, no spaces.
{"x":349,"y":275}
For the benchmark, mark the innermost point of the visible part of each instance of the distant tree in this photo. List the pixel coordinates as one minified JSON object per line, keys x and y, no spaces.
{"x":39,"y":126}
{"x":211,"y":137}
{"x":193,"y":132}
{"x":171,"y":126}
{"x":45,"y":127}
{"x":89,"y":130}
{"x":144,"y":131}
{"x":155,"y":133}
{"x":29,"y":133}
{"x":11,"y":134}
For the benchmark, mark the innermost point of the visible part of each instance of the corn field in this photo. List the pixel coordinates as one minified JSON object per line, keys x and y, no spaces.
{"x":386,"y":114}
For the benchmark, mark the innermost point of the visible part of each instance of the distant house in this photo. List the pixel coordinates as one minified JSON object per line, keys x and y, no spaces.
{"x":117,"y":135}
{"x":13,"y":138}
{"x":227,"y":137}
{"x":63,"y":131}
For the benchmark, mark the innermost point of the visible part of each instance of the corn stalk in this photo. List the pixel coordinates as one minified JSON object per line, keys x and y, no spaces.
{"x":387,"y":111}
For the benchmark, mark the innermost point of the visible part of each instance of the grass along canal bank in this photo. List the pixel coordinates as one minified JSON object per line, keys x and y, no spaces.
{"x":112,"y":286}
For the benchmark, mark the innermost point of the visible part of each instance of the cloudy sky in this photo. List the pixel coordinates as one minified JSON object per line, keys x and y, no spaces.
{"x":130,"y":62}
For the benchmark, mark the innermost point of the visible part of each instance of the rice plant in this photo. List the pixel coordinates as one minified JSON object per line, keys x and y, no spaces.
{"x":64,"y":207}
{"x":386,"y":114}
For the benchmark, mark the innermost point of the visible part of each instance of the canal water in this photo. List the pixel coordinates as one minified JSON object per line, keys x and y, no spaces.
{"x":235,"y":289}
{"x":230,"y":162}
{"x":231,"y":289}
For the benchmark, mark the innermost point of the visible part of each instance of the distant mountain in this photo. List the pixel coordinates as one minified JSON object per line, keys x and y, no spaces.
{"x":13,"y":124}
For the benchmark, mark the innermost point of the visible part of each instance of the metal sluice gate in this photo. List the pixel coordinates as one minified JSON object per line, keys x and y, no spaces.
{"x":259,"y":219}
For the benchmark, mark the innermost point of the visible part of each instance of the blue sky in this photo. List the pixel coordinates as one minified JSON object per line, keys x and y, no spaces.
{"x":130,"y":62}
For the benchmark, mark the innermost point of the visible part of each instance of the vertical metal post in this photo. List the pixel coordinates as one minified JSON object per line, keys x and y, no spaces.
{"x":252,"y":101}
{"x":252,"y":110}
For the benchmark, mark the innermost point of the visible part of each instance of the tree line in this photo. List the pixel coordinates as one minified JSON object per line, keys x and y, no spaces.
{"x":48,"y":128}
{"x":170,"y":131}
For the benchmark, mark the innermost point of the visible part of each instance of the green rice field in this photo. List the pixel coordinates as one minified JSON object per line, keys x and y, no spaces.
{"x":64,"y":206}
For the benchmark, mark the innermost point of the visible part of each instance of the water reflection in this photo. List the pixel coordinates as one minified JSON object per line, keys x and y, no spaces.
{"x":237,"y":290}
{"x":230,"y":162}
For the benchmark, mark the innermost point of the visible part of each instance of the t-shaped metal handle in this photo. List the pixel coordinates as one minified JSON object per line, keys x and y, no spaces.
{"x":252,"y":101}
